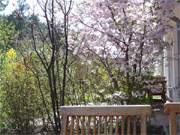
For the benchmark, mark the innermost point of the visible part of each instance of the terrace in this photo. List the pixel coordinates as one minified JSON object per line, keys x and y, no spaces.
{"x":110,"y":120}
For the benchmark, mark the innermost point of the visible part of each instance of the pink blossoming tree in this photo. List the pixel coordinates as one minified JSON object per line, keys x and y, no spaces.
{"x":127,"y":34}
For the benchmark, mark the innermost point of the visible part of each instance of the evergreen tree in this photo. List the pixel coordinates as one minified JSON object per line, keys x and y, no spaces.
{"x":3,"y":4}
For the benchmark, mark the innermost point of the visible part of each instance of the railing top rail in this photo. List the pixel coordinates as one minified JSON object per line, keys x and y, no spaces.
{"x":106,"y":110}
{"x":173,"y":107}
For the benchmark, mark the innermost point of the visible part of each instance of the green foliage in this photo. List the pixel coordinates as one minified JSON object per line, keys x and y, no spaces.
{"x":20,"y":100}
{"x":90,"y":82}
{"x":7,"y":34}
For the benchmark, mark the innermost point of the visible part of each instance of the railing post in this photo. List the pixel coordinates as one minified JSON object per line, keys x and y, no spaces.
{"x":172,"y":109}
{"x":172,"y":123}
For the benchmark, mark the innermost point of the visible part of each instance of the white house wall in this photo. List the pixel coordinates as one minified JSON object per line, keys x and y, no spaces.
{"x":172,"y":61}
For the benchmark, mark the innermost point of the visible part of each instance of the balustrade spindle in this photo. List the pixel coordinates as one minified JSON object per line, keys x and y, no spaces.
{"x":94,"y":125}
{"x":128,"y":125}
{"x":72,"y":126}
{"x":83,"y":125}
{"x":89,"y":125}
{"x":99,"y":125}
{"x":117,"y":125}
{"x":105,"y":125}
{"x":134,"y":125}
{"x":77,"y":125}
{"x":122,"y":125}
{"x":111,"y":124}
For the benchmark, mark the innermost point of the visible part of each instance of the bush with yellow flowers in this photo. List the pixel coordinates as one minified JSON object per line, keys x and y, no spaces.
{"x":20,"y":102}
{"x":11,"y":53}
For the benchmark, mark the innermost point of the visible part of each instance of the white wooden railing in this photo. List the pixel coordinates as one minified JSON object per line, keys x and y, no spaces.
{"x":96,"y":120}
{"x":172,"y":109}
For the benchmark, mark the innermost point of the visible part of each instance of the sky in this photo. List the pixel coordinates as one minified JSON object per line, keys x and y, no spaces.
{"x":32,"y":3}
{"x":34,"y":8}
{"x":13,"y":3}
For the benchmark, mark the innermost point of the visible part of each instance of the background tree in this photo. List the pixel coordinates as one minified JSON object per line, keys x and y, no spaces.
{"x":54,"y":39}
{"x":19,"y":17}
{"x":3,"y":4}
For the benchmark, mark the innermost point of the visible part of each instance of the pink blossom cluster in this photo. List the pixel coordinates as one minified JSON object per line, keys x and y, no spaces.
{"x":131,"y":30}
